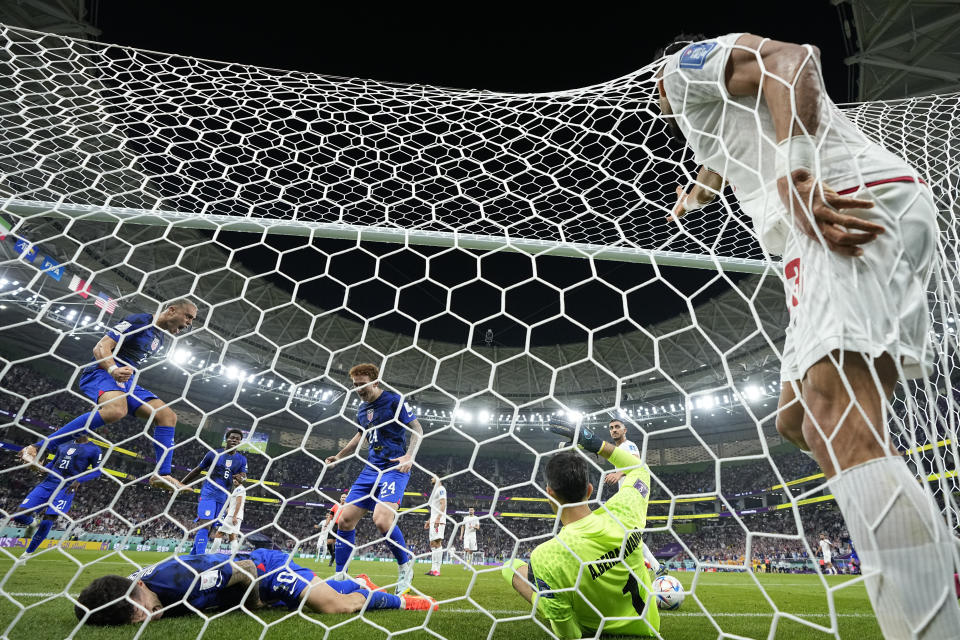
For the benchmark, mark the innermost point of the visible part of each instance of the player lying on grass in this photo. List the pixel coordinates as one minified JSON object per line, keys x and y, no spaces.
{"x":110,"y":381}
{"x":63,"y":475}
{"x":189,"y":583}
{"x":594,"y":563}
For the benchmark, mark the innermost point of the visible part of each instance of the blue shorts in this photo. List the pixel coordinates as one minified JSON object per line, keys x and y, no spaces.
{"x":280,"y":578}
{"x":209,"y":509}
{"x":95,"y":381}
{"x":41,"y":496}
{"x":373,"y":485}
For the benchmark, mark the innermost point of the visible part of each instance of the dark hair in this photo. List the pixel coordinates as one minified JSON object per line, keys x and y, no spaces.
{"x":108,"y":592}
{"x":567,"y":476}
{"x":229,"y":431}
{"x":616,"y":420}
{"x":679,"y":42}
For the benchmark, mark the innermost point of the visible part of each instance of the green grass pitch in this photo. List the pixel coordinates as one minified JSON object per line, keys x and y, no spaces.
{"x":741,"y":606}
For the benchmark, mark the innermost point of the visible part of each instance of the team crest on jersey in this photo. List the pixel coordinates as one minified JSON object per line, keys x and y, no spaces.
{"x":696,"y":54}
{"x":370,"y":413}
{"x":228,"y":463}
{"x":155,"y":344}
{"x":70,"y":451}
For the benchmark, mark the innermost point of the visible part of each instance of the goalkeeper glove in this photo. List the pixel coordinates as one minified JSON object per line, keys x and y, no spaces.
{"x":588,"y":440}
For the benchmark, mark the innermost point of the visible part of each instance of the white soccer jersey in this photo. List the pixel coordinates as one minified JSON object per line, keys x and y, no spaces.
{"x":470,"y":526}
{"x":825,"y":549}
{"x":735,"y":137}
{"x":630,"y":448}
{"x":240,"y":493}
{"x":437,"y":500}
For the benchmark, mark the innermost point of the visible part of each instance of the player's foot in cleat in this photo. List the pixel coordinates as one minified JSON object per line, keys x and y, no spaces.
{"x":167,"y":483}
{"x":31,"y":529}
{"x":432,"y":573}
{"x":367,"y":582}
{"x":420,"y":603}
{"x":28,"y":454}
{"x":662,"y":571}
{"x":341,"y":575}
{"x":404,"y":577}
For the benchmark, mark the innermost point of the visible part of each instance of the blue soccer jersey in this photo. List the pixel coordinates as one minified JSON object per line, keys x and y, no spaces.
{"x":199,"y":580}
{"x":221,"y":467}
{"x":138,"y":339}
{"x":383,"y":422}
{"x":72,"y":460}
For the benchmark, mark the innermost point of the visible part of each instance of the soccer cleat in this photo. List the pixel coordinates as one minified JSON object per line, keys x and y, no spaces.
{"x":340,"y":575}
{"x":420,"y":603}
{"x":31,"y":529}
{"x":167,"y":483}
{"x":367,"y":582}
{"x":404,"y":577}
{"x":662,"y":571}
{"x":432,"y":573}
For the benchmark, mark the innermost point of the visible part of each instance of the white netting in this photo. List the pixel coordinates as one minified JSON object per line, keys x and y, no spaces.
{"x":297,"y":210}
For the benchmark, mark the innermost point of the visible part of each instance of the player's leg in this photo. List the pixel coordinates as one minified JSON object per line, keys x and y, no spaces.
{"x":895,"y":524}
{"x":235,"y":543}
{"x":111,"y":407}
{"x":165,"y":423}
{"x":379,"y":599}
{"x":217,"y":541}
{"x":389,"y":495}
{"x":207,"y":510}
{"x":346,"y":535}
{"x":790,"y":413}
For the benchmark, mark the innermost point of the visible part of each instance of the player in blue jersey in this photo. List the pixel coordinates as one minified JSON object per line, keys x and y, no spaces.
{"x":385,"y":420}
{"x":221,"y":466}
{"x":110,"y":383}
{"x":69,"y":468}
{"x":216,"y":581}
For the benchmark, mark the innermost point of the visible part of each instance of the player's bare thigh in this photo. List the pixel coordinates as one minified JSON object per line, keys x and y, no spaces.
{"x":322,"y":598}
{"x":350,"y":515}
{"x":790,"y":413}
{"x":162,"y":414}
{"x":112,"y":406}
{"x":384,"y":515}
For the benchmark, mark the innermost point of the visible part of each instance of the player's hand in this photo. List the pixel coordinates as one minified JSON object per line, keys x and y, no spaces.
{"x":613,"y":477}
{"x":331,"y":459}
{"x":122,"y":374}
{"x":404,"y":462}
{"x":234,"y":520}
{"x":815,"y":206}
{"x":426,"y":525}
{"x":679,"y":209}
{"x":586,"y":438}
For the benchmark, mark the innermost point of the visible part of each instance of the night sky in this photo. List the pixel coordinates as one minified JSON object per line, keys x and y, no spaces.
{"x":489,"y":48}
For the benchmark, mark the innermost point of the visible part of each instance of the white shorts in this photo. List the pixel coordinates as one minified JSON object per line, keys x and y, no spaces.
{"x":436,"y":533}
{"x":469,"y":542}
{"x":873,"y":304}
{"x":827,"y":558}
{"x":226,"y":526}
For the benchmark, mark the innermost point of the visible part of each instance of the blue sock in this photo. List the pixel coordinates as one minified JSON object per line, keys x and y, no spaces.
{"x":399,"y":546}
{"x":25,"y":520}
{"x":42,"y":531}
{"x":342,"y":550}
{"x":200,"y":542}
{"x":68,"y":431}
{"x":164,"y":450}
{"x":378,"y":599}
{"x":381,"y":600}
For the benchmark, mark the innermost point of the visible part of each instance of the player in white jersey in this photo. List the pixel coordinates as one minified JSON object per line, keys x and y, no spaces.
{"x":618,"y":433}
{"x":468,"y":538}
{"x":231,"y":518}
{"x":437,"y":524}
{"x":755,"y":113}
{"x":826,"y":552}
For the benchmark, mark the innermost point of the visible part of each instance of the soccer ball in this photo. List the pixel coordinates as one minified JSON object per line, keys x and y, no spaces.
{"x":669,"y":592}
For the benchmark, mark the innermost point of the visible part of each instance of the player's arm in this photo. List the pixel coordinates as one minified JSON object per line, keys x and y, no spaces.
{"x":405,"y":462}
{"x":442,"y":508}
{"x":788,"y":76}
{"x":347,"y":450}
{"x":236,"y":510}
{"x":556,"y":610}
{"x":244,"y":575}
{"x":195,"y":472}
{"x":705,"y":190}
{"x":103,"y":353}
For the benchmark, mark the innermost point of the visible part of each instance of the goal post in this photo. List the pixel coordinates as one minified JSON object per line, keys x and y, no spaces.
{"x":323,"y":222}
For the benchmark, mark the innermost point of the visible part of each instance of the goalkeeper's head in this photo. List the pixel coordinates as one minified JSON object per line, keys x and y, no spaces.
{"x":568,"y":478}
{"x":111,"y":601}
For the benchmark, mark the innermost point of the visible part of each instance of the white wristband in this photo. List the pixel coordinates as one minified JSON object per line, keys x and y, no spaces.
{"x":112,"y":368}
{"x":797,"y":152}
{"x":691,"y":204}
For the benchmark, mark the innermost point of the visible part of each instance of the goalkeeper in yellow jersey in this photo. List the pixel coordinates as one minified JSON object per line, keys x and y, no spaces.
{"x":592,"y":576}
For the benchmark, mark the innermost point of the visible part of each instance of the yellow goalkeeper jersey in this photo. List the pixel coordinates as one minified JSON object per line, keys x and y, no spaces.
{"x":593,"y":572}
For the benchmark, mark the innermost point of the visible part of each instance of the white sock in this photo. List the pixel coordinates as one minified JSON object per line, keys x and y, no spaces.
{"x":437,"y":557}
{"x":215,"y":546}
{"x":905,"y":548}
{"x":235,"y":546}
{"x":648,"y":556}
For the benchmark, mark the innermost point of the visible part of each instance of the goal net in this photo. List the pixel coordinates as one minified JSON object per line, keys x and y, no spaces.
{"x":502,"y":258}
